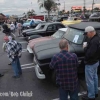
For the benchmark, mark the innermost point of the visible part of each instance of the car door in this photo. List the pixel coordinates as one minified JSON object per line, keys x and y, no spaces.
{"x":51,"y":29}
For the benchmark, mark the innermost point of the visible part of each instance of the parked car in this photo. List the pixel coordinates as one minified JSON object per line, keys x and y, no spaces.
{"x":95,"y":17}
{"x":31,"y":23}
{"x":71,"y":20}
{"x":38,"y":27}
{"x":44,"y":51}
{"x":59,"y":34}
{"x":59,"y":19}
{"x":47,"y":30}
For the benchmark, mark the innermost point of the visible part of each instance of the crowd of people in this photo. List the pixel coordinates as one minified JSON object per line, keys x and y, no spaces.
{"x":14,"y":26}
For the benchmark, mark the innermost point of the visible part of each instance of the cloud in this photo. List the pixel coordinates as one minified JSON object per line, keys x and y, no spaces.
{"x":20,"y":6}
{"x":2,"y":1}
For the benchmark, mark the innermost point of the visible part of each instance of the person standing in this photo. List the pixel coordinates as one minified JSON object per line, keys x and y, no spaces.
{"x":12,"y":27}
{"x":7,"y":31}
{"x":13,"y":49}
{"x":65,"y":64}
{"x":19,"y":27}
{"x":91,"y":63}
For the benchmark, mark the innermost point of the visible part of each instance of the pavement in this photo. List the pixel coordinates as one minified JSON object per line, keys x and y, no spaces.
{"x":28,"y":86}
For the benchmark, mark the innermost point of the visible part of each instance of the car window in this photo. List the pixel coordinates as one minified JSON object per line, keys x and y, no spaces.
{"x":51,"y":28}
{"x":39,"y":26}
{"x":74,"y":35}
{"x":60,"y":26}
{"x":58,"y":34}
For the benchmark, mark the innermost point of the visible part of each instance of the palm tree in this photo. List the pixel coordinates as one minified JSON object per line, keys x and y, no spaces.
{"x":31,"y":13}
{"x":48,"y":5}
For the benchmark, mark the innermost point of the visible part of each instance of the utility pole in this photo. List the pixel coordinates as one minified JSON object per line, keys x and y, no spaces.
{"x":64,"y":5}
{"x":92,"y":5}
{"x":84,"y":7}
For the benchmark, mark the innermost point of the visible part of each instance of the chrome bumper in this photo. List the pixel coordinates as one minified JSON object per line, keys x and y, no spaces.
{"x":29,"y":49}
{"x":38,"y":71}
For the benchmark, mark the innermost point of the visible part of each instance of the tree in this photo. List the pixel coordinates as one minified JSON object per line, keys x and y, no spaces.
{"x":96,"y":9}
{"x":49,"y":5}
{"x":31,"y":13}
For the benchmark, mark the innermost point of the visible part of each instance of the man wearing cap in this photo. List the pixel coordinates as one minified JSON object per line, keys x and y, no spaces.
{"x":13,"y":50}
{"x":91,"y":63}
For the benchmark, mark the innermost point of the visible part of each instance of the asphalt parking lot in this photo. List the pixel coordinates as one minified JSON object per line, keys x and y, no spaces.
{"x":28,"y":87}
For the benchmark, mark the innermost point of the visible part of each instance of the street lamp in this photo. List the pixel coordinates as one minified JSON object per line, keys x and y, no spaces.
{"x":58,"y":4}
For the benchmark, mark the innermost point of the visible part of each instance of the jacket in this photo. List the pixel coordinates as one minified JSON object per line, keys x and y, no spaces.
{"x":91,"y":51}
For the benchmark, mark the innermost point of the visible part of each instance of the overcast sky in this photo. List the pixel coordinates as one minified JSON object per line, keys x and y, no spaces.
{"x":18,"y":7}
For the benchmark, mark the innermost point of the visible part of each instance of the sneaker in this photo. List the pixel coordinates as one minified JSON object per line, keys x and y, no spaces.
{"x":85,"y":97}
{"x":9,"y":64}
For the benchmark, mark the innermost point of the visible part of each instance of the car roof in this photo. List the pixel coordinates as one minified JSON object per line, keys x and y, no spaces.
{"x":48,"y":23}
{"x":63,"y":29}
{"x":83,"y":25}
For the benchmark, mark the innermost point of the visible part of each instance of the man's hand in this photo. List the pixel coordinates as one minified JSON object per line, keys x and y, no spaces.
{"x":84,"y":44}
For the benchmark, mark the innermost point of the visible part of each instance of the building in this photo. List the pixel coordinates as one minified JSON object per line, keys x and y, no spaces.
{"x":2,"y":18}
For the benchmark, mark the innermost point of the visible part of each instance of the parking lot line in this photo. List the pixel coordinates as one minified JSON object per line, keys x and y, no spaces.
{"x":24,"y":50}
{"x":23,"y":42}
{"x":28,"y":67}
{"x":27,"y":64}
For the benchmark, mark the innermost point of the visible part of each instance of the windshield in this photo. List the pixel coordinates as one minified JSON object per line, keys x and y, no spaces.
{"x":39,"y":26}
{"x":70,"y":18}
{"x":37,"y":21}
{"x":27,"y":21}
{"x":74,"y":35}
{"x":58,"y":34}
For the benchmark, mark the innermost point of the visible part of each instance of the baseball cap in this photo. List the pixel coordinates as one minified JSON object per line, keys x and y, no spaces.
{"x":89,"y":29}
{"x":6,"y":38}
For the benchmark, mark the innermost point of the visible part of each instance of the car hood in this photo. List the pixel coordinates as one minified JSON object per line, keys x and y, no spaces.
{"x":46,"y":50}
{"x":70,"y":22}
{"x":34,"y":32}
{"x":38,"y":40}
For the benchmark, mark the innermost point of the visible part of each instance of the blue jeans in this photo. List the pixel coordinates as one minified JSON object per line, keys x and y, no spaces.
{"x":92,"y":79}
{"x":16,"y":66}
{"x":64,"y":94}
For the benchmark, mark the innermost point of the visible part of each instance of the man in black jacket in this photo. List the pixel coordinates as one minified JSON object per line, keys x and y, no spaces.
{"x":91,"y":63}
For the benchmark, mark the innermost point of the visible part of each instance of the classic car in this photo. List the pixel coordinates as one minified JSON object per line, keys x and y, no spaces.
{"x":95,"y":17}
{"x":39,"y":26}
{"x":62,"y":18}
{"x":59,"y":34}
{"x":71,"y":20}
{"x":47,"y":30}
{"x":44,"y":51}
{"x":31,"y":23}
